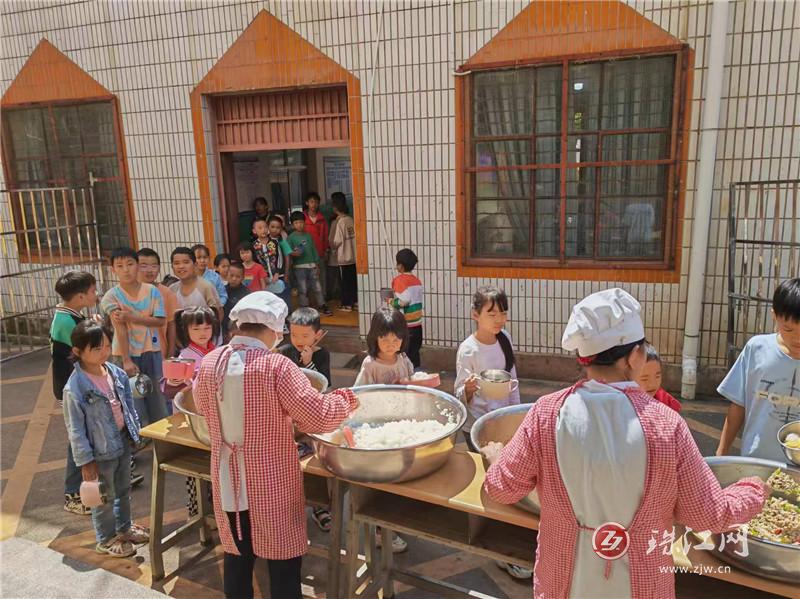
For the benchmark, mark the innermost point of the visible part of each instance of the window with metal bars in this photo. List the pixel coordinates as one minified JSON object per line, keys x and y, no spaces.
{"x":575,"y":163}
{"x":66,"y":145}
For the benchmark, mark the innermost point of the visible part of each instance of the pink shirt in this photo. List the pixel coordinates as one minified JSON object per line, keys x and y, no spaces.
{"x":106,"y":386}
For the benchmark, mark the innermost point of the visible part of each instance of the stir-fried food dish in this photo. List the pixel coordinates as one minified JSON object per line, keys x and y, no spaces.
{"x":779,"y":521}
{"x":784,"y":484}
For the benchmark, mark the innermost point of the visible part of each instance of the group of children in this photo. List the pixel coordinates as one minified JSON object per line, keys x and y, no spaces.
{"x":143,"y":322}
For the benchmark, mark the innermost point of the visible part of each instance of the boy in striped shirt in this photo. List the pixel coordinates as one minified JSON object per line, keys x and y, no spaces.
{"x":408,"y":292}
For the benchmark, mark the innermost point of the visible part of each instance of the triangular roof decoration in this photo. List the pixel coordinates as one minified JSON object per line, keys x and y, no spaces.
{"x":49,"y":76}
{"x":546,"y":30}
{"x":270,"y":55}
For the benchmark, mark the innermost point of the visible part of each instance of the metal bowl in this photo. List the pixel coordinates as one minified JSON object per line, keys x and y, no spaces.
{"x":317,"y":379}
{"x":766,"y":558}
{"x":184,"y":403}
{"x":385,"y":403}
{"x":500,"y":425}
{"x":793,"y":455}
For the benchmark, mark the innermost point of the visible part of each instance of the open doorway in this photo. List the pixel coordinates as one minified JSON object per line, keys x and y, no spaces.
{"x":284,"y":178}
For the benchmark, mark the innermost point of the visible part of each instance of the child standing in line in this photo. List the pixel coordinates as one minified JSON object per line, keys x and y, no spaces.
{"x":149,"y":266}
{"x":196,"y":327}
{"x":77,"y":290}
{"x":202,"y":254}
{"x":304,"y":350}
{"x":268,"y":252}
{"x":222,"y":263}
{"x":343,"y":253}
{"x":137,"y":314}
{"x":408,"y":293}
{"x":489,"y":347}
{"x":317,"y":227}
{"x":386,"y":362}
{"x":102,"y":425}
{"x":650,"y":380}
{"x":191,"y":289}
{"x":255,"y":277}
{"x":236,"y":291}
{"x":305,"y":264}
{"x":762,"y":385}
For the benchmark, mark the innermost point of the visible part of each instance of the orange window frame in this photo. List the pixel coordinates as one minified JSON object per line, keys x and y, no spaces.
{"x":667,"y":269}
{"x":28,"y":254}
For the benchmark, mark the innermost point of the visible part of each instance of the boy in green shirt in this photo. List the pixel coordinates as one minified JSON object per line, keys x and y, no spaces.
{"x":305,"y":263}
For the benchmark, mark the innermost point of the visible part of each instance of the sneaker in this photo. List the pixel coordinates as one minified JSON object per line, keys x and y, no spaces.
{"x":73,"y":505}
{"x":515,"y":571}
{"x":325,"y":310}
{"x":322,"y":518}
{"x":398,"y":543}
{"x":138,"y":535}
{"x":345,"y":309}
{"x":116,"y":547}
{"x":136,"y":478}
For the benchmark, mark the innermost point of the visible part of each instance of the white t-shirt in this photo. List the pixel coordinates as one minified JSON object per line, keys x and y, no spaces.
{"x":473,"y":358}
{"x":766,"y":383}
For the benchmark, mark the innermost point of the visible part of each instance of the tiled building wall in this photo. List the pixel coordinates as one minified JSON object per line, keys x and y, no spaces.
{"x":151,"y":54}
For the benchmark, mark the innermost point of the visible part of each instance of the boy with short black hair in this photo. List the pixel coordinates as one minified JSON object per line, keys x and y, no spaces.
{"x":137,"y":313}
{"x":149,"y":266}
{"x":236,"y":290}
{"x":222,"y":262}
{"x":408,"y":293}
{"x":305,"y":333}
{"x":762,"y":385}
{"x":78,"y":291}
{"x":305,"y":264}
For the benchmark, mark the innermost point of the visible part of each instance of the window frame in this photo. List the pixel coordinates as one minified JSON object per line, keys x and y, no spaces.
{"x":639,"y":269}
{"x":35,"y":255}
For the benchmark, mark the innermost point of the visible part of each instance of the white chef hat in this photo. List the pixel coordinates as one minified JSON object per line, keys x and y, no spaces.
{"x":601,"y":321}
{"x":260,"y":307}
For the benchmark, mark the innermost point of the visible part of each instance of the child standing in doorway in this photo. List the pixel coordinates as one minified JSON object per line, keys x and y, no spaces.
{"x":305,"y":264}
{"x":202,"y":254}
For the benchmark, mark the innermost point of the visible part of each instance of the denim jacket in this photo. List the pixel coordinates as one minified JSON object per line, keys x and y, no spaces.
{"x":92,"y":431}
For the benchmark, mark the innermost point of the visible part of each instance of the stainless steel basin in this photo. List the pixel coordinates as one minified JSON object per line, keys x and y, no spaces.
{"x":184,"y":403}
{"x":766,"y":558}
{"x":386,"y":403}
{"x":500,"y":425}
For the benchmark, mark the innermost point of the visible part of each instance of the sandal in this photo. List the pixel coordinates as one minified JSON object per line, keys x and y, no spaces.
{"x":515,"y":571}
{"x":138,"y":535}
{"x":116,"y":547}
{"x":322,"y":518}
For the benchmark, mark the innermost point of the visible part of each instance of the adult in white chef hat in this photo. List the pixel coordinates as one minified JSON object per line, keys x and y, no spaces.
{"x":251,"y":397}
{"x":611,"y":465}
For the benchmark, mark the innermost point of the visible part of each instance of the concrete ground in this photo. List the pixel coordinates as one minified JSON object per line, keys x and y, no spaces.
{"x":32,"y":462}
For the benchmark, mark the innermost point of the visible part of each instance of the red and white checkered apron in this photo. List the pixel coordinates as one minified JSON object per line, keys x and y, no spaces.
{"x":679,"y":487}
{"x":276,"y":393}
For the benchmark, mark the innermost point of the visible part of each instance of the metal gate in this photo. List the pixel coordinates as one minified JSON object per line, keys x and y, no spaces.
{"x":43,"y":233}
{"x":763,"y":250}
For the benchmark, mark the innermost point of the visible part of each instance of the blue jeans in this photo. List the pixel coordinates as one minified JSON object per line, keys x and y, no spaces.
{"x":153,"y":407}
{"x":308,"y":278}
{"x":114,"y":516}
{"x":72,"y":478}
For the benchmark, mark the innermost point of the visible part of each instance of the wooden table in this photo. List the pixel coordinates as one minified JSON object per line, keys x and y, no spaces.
{"x":176,"y":450}
{"x":450,"y":507}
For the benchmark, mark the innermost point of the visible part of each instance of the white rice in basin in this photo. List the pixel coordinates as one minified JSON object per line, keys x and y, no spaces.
{"x":398,"y":433}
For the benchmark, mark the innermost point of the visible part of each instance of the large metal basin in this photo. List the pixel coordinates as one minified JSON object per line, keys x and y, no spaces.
{"x":766,"y":558}
{"x":499,"y":426}
{"x":385,"y":403}
{"x":184,"y":403}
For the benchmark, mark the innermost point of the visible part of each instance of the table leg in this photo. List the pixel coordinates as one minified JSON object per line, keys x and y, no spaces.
{"x":335,"y":546}
{"x":156,"y":518}
{"x":201,"y":488}
{"x":387,"y":558}
{"x":353,"y":529}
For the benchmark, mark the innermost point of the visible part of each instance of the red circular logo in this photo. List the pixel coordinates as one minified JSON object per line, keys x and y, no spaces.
{"x":610,"y":541}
